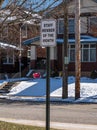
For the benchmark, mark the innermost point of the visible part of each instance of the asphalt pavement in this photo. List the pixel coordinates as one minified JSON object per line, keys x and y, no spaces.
{"x":9,"y":110}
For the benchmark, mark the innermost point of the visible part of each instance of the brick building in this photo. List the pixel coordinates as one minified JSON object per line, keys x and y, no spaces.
{"x":18,"y":26}
{"x":88,"y":39}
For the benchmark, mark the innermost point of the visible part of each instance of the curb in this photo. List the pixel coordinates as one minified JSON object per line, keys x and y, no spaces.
{"x":55,"y":125}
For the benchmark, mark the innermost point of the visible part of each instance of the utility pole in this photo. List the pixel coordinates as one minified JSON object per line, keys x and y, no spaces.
{"x":20,"y":54}
{"x":65,"y":52}
{"x":77,"y":49}
{"x":0,"y":63}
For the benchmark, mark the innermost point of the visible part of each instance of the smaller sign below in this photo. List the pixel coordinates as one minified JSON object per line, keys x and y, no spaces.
{"x":48,"y":33}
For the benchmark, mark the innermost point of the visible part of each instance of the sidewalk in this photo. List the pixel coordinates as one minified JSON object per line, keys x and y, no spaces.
{"x":56,"y":125}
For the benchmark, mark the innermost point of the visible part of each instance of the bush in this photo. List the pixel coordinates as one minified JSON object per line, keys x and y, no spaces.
{"x":54,"y":73}
{"x":94,"y":74}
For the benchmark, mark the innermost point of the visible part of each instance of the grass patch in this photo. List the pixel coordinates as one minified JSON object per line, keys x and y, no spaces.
{"x":13,"y":126}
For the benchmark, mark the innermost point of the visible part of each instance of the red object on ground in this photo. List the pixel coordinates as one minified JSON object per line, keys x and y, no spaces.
{"x":36,"y":75}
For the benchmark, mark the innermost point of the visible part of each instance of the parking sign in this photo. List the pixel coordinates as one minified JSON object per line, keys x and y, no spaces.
{"x":48,"y":33}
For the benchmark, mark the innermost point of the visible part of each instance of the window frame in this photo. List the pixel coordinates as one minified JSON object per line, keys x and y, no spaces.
{"x":70,"y":48}
{"x":7,"y":57}
{"x":82,"y":49}
{"x":70,"y":32}
{"x":90,"y":24}
{"x":89,"y":48}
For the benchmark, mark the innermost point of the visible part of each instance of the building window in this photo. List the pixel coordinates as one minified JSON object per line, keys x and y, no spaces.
{"x":24,"y":31}
{"x":71,"y":27}
{"x":93,"y":24}
{"x":60,"y":26}
{"x":88,"y":53}
{"x":72,"y":53}
{"x":92,"y":55}
{"x":8,"y":57}
{"x":85,"y":55}
{"x":5,"y":31}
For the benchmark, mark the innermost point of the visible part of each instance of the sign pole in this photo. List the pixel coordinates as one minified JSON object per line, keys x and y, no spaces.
{"x":48,"y":39}
{"x":48,"y":91}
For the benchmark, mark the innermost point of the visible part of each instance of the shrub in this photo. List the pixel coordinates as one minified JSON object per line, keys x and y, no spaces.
{"x":93,"y":74}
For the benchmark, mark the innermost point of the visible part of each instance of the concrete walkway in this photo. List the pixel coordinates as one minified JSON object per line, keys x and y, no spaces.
{"x":56,"y":125}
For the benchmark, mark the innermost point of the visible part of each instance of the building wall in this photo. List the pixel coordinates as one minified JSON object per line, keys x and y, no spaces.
{"x":86,"y":67}
{"x":13,"y":38}
{"x":38,"y":57}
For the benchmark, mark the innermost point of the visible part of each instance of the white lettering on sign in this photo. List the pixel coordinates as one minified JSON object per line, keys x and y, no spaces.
{"x":48,"y":33}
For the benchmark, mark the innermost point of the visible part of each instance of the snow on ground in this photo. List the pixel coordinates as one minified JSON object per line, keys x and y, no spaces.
{"x":35,"y":89}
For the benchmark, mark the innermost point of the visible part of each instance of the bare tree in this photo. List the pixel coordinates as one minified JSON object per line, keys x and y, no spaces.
{"x":1,"y":1}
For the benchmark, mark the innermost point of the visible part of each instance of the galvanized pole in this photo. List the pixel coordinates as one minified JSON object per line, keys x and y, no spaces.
{"x":65,"y":52}
{"x":77,"y":49}
{"x":47,"y":83}
{"x":48,"y":91}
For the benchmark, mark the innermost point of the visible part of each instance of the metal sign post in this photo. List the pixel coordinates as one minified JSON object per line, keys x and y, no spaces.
{"x":48,"y":91}
{"x":48,"y":39}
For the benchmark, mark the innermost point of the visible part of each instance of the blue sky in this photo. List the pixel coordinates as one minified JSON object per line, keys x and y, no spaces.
{"x":38,"y":2}
{"x":47,"y":3}
{"x":5,"y":2}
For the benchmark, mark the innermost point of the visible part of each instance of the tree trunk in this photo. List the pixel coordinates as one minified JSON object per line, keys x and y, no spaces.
{"x":65,"y":53}
{"x":77,"y":49}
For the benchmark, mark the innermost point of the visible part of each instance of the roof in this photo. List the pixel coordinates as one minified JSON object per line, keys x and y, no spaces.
{"x":6,"y":45}
{"x":83,"y":38}
{"x":31,"y":41}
